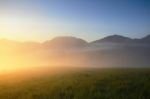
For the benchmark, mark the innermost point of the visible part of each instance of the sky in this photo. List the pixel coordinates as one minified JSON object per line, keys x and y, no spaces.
{"x":40,"y":20}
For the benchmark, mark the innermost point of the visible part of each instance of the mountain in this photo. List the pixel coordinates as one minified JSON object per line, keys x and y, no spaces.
{"x":119,"y":51}
{"x":114,"y":39}
{"x":145,"y":39}
{"x":65,"y":42}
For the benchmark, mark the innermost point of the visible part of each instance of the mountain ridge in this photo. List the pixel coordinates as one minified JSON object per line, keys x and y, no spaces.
{"x":70,"y":40}
{"x":66,"y":51}
{"x":65,"y":41}
{"x":114,"y":39}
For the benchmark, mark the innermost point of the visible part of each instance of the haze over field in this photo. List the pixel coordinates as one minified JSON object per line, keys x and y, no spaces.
{"x":74,"y":49}
{"x":80,"y":33}
{"x":111,"y":51}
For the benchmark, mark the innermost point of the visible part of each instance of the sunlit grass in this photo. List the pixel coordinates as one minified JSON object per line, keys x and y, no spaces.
{"x":80,"y":84}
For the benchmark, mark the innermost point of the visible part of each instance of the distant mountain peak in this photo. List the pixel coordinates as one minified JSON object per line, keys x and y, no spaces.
{"x":66,"y":41}
{"x":114,"y":39}
{"x":146,"y":39}
{"x":65,"y":38}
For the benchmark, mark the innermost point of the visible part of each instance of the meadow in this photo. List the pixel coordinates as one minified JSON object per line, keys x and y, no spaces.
{"x":91,"y":83}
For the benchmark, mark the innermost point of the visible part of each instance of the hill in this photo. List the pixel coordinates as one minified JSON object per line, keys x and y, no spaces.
{"x":65,"y":42}
{"x":114,"y":39}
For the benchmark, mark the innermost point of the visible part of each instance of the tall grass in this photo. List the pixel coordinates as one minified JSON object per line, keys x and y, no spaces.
{"x":83,"y":84}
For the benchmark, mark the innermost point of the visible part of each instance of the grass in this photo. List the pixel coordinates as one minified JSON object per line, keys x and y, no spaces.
{"x":83,"y":84}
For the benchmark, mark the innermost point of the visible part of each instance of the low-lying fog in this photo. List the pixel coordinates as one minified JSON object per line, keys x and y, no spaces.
{"x":72,"y":53}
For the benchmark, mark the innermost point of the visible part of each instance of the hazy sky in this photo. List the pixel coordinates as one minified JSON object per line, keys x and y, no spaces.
{"x":39,"y":20}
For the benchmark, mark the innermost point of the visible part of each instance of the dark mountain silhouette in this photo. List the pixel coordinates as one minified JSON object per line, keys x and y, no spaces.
{"x":111,"y":51}
{"x":122,"y":39}
{"x":145,"y":39}
{"x":114,"y":39}
{"x":65,"y":42}
{"x":68,"y":41}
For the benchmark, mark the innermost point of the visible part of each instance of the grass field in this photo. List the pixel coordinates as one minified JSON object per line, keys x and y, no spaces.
{"x":81,"y":84}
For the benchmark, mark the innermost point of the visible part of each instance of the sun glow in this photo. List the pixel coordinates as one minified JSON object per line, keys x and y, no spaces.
{"x":14,"y":57}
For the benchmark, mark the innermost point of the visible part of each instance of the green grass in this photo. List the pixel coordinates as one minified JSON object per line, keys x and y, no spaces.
{"x":83,"y":84}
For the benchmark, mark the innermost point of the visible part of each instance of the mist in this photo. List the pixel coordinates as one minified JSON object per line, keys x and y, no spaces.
{"x":72,"y":52}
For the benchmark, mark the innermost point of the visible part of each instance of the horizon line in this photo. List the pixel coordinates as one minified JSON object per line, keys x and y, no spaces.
{"x":37,"y":41}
